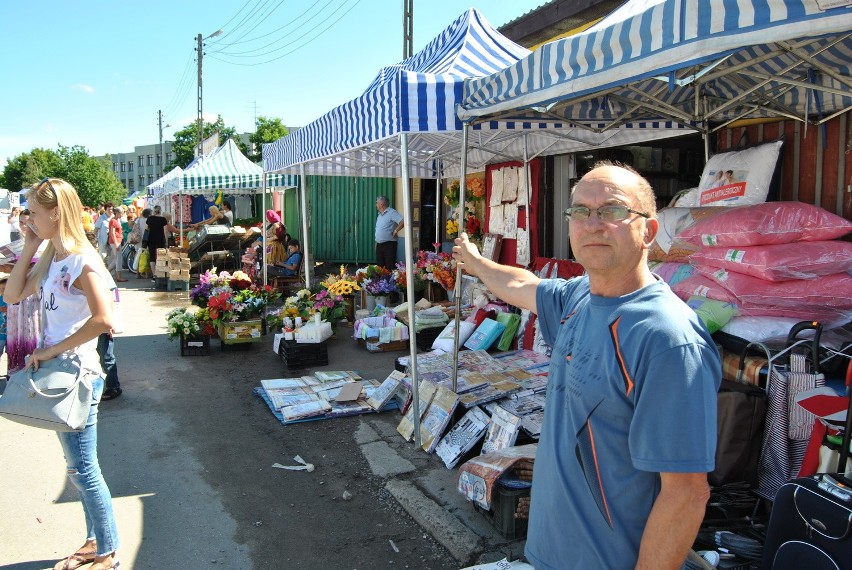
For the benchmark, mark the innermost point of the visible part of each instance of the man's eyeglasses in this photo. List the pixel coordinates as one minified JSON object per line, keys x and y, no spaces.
{"x":50,"y":186}
{"x":608,"y":213}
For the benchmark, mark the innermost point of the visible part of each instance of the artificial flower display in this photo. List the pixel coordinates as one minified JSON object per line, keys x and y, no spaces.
{"x":342,"y":283}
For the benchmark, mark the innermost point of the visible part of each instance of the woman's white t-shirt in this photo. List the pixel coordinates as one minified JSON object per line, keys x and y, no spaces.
{"x":66,"y":309}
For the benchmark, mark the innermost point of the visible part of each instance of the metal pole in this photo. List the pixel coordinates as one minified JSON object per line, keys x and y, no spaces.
{"x":305,"y":230}
{"x":528,"y":177}
{"x":457,"y":288}
{"x":409,"y":284}
{"x":438,"y":195}
{"x":263,"y":209}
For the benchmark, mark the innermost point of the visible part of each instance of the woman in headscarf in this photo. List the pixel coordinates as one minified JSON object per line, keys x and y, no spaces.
{"x":277,"y":238}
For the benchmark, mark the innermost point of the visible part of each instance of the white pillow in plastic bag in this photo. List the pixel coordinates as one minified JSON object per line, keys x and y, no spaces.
{"x":445,"y":339}
{"x":735,"y":178}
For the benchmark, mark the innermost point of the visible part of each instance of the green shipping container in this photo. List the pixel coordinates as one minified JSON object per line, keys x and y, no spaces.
{"x":342,"y":217}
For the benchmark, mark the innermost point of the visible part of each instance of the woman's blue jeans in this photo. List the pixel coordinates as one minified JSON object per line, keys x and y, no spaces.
{"x":84,"y":471}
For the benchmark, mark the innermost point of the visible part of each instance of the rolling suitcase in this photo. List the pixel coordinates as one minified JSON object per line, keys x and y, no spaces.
{"x":811,"y":522}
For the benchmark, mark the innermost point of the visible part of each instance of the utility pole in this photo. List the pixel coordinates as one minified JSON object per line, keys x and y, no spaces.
{"x":162,"y":156}
{"x":200,"y":50}
{"x":200,"y":119}
{"x":407,"y":28}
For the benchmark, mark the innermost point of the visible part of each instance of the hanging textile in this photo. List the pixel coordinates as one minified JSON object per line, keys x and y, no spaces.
{"x":243,"y":207}
{"x":508,"y":251}
{"x":182,"y":207}
{"x":496,"y":187}
{"x":782,"y":455}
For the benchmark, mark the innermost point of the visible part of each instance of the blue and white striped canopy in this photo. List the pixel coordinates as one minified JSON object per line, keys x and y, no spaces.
{"x":226,"y":168}
{"x":419,"y":96}
{"x":695,"y":62}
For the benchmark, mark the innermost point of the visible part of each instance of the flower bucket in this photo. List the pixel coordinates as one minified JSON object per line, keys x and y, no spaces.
{"x":435,"y":293}
{"x":194,"y":345}
{"x":239,"y":332}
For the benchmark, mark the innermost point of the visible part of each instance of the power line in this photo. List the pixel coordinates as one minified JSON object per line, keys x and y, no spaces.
{"x":179,"y":96}
{"x":328,"y":27}
{"x":285,"y":26}
{"x":260,"y":17}
{"x":225,"y":26}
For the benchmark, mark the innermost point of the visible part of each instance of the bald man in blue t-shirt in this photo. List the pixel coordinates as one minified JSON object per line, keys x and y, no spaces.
{"x":629,"y":432}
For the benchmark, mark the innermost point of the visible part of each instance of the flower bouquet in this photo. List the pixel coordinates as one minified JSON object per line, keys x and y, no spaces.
{"x":401,"y":277}
{"x":342,"y":283}
{"x":332,"y":308}
{"x":298,"y":305}
{"x":438,"y":268}
{"x":193,"y":327}
{"x":380,"y":286}
{"x":233,"y":298}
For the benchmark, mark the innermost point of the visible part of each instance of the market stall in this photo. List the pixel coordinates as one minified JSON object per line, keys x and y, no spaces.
{"x":225,"y":170}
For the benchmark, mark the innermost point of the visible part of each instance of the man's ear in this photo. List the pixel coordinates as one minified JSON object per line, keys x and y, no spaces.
{"x":652,"y":226}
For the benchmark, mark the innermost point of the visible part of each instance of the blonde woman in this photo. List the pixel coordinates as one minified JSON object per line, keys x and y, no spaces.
{"x":216,"y":217}
{"x":74,"y":287}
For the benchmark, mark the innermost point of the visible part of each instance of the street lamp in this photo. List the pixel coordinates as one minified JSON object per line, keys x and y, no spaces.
{"x":200,"y":50}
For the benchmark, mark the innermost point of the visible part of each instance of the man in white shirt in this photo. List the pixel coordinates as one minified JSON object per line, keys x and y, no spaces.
{"x":102,"y":230}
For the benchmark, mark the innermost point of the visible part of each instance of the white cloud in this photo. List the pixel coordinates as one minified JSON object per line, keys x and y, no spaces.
{"x":83,"y":87}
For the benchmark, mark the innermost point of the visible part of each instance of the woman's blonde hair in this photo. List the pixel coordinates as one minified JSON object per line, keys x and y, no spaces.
{"x":53,"y":193}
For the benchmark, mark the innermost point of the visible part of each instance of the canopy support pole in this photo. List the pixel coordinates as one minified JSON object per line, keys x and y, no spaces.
{"x":528,"y":177}
{"x":409,"y":284}
{"x":438,"y":195}
{"x":262,"y":225}
{"x":305,"y":247}
{"x":457,"y":288}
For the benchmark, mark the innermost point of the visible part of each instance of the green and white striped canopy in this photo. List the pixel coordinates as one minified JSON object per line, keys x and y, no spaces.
{"x":226,"y":168}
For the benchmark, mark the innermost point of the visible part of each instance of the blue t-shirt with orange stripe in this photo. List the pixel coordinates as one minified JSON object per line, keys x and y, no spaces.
{"x":631,"y":394}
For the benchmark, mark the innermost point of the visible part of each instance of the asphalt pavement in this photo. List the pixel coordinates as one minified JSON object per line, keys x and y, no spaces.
{"x":188,"y":450}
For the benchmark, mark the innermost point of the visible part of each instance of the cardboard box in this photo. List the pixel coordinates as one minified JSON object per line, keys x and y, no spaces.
{"x":162,"y":253}
{"x":184,"y":274}
{"x":174,"y":274}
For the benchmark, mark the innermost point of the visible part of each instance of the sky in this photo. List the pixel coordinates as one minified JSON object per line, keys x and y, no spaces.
{"x":95,"y":72}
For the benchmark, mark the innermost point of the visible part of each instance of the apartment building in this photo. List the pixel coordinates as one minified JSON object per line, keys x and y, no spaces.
{"x":147,"y":163}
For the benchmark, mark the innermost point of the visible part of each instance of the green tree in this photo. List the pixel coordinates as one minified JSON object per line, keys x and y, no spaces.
{"x":94,"y":179}
{"x":186,"y":141}
{"x":267,"y":130}
{"x":28,"y":168}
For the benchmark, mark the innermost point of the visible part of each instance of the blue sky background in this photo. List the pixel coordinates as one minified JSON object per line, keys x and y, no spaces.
{"x":94,"y":73}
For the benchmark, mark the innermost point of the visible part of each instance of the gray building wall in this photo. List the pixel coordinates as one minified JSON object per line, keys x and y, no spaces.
{"x":146,"y":163}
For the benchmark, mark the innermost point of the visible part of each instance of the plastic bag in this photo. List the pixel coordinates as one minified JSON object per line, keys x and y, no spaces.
{"x":144,"y":257}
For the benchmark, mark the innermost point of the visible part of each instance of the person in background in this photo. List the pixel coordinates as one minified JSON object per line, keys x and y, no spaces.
{"x":114,"y":239}
{"x":137,"y":234}
{"x":71,"y":274}
{"x":102,"y":230}
{"x":156,"y":225}
{"x":89,"y":226}
{"x":22,"y":320}
{"x":3,"y":311}
{"x":629,"y":431}
{"x":290,"y":267}
{"x":277,"y":239}
{"x":226,"y":211}
{"x":15,"y":224}
{"x":389,"y":223}
{"x":172,"y":231}
{"x":216,"y":217}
